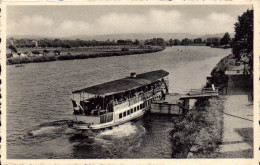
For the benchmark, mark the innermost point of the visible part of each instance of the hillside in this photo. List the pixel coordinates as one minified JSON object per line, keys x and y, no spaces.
{"x":139,"y":36}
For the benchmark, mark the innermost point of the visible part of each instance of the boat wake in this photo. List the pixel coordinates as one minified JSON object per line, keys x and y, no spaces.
{"x":121,"y":131}
{"x":43,"y":131}
{"x":51,"y":129}
{"x":126,"y":137}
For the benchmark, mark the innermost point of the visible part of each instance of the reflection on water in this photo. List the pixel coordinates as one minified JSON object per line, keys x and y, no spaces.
{"x":39,"y":107}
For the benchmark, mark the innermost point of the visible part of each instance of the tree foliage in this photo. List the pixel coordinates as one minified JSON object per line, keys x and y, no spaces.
{"x":243,"y":41}
{"x":13,"y":48}
{"x":225,"y":40}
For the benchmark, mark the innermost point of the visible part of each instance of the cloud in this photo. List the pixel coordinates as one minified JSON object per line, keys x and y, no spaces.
{"x":29,"y":24}
{"x":213,"y":23}
{"x":156,"y":21}
{"x":153,"y":21}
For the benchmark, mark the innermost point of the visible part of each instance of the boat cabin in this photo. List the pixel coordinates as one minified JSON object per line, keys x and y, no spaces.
{"x":109,"y":97}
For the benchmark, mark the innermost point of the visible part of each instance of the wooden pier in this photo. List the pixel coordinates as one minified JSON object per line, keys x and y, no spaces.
{"x":175,"y":103}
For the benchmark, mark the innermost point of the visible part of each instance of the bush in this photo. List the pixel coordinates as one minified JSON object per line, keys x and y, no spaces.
{"x":44,"y":58}
{"x":18,"y":60}
{"x":56,"y":51}
{"x":124,"y":49}
{"x":70,"y":56}
{"x":46,"y":51}
{"x":201,"y":127}
{"x":21,"y":60}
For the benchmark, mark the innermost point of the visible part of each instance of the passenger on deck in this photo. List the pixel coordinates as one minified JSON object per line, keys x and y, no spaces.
{"x":163,"y":95}
{"x":116,"y":102}
{"x":98,"y":107}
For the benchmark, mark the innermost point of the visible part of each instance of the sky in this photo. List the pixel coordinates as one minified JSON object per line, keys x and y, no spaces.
{"x":65,"y":21}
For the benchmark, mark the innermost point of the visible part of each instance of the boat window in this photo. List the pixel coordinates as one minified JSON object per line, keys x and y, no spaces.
{"x":132,"y":110}
{"x":128,"y":112}
{"x":120,"y":116}
{"x":124,"y":114}
{"x":143,"y":105}
{"x":137,"y":107}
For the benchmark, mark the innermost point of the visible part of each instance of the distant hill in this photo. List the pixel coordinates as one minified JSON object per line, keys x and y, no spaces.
{"x":219,"y":35}
{"x":139,"y":36}
{"x":34,"y":37}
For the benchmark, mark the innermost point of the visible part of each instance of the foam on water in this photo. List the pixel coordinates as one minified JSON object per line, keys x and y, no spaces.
{"x":121,"y":131}
{"x":45,"y":131}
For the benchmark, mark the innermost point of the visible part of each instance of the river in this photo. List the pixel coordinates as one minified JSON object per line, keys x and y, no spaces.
{"x":39,"y":105}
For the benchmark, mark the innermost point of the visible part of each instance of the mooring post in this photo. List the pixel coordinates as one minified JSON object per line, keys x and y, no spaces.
{"x":179,"y":107}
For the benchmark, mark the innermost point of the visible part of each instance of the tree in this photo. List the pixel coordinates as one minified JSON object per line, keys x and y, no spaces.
{"x":136,"y":42}
{"x":243,"y":41}
{"x":13,"y":48}
{"x":225,"y":40}
{"x":124,"y":49}
{"x":171,"y":42}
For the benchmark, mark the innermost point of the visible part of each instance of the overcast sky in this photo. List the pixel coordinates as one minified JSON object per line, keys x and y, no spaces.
{"x":62,"y":21}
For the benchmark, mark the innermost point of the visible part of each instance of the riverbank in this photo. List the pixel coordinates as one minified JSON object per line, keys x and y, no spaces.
{"x":198,"y":133}
{"x":238,"y":134}
{"x":211,"y":128}
{"x":234,"y":80}
{"x":77,"y":55}
{"x":218,"y":77}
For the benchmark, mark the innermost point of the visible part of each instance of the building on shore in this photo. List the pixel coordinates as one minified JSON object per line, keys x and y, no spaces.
{"x":35,"y":43}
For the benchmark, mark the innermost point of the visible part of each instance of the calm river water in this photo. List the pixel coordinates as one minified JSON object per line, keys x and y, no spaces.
{"x":39,"y":105}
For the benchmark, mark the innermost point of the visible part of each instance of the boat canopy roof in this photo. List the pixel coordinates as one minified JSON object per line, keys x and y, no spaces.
{"x":125,"y":84}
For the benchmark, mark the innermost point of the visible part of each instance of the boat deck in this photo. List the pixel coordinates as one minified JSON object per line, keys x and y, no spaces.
{"x":174,"y":103}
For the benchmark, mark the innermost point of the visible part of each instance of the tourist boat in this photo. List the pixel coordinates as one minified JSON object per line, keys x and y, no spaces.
{"x":117,"y":102}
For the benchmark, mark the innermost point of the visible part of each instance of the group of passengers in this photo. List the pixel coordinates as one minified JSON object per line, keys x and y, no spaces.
{"x":143,"y":92}
{"x":101,"y":105}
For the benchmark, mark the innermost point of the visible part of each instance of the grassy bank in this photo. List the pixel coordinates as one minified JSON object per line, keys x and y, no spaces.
{"x":198,"y":133}
{"x":218,"y":77}
{"x":72,"y":56}
{"x":23,"y":60}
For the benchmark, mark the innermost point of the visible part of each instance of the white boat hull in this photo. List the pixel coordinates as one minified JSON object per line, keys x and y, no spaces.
{"x":134,"y":116}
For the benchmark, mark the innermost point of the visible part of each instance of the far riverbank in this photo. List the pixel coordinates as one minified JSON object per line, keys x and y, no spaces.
{"x":46,"y":57}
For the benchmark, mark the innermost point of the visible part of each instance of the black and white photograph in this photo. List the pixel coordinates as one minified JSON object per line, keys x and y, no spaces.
{"x":130,"y":81}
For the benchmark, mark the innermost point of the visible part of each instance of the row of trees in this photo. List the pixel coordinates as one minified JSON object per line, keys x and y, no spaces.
{"x":243,"y":41}
{"x":20,"y":43}
{"x":24,"y":42}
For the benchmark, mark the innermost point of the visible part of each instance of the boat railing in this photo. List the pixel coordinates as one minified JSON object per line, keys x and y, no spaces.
{"x":203,"y":91}
{"x":139,"y":97}
{"x":106,"y":117}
